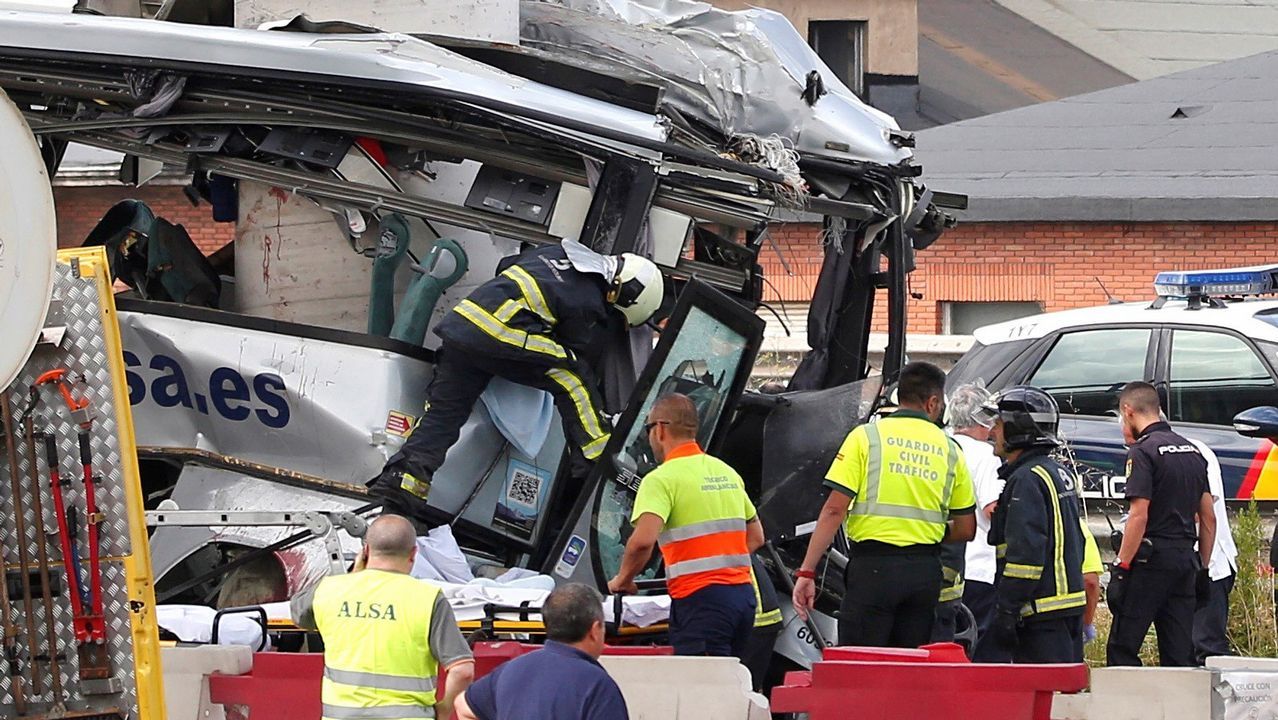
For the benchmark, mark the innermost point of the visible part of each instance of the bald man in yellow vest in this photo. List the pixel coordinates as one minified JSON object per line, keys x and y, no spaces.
{"x":386,"y":634}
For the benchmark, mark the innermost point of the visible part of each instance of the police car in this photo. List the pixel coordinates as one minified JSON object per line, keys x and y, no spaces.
{"x":1208,"y":342}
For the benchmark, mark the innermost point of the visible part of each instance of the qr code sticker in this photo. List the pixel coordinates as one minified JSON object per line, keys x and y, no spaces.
{"x":525,"y":487}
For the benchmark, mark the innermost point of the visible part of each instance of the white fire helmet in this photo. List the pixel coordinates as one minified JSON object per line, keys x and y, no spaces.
{"x":637,"y":290}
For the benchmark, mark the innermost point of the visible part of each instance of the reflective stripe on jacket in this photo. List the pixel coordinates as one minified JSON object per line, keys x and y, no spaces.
{"x":704,"y":507}
{"x":538,"y":309}
{"x":377,"y":659}
{"x":952,"y":584}
{"x":1039,"y":539}
{"x":767,"y":607}
{"x":905,"y":477}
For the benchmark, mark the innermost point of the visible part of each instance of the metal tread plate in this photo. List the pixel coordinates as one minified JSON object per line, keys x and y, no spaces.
{"x":83,"y":352}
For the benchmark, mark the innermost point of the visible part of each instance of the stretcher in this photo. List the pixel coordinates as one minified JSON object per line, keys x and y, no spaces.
{"x":483,"y":612}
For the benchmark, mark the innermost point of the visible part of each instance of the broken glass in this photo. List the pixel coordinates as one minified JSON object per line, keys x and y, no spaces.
{"x":703,"y":363}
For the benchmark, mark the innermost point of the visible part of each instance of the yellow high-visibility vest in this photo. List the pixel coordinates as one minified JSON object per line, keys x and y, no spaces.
{"x":905,"y":476}
{"x":377,"y":658}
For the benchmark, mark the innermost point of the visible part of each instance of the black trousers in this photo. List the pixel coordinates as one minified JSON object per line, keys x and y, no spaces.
{"x":1051,"y":640}
{"x":1161,"y":593}
{"x":460,"y":378}
{"x":758,"y":653}
{"x":1211,"y":619}
{"x":979,"y":597}
{"x":890,"y":600}
{"x":945,"y":621}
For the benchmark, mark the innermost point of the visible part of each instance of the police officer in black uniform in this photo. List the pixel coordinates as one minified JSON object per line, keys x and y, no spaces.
{"x":533,"y":324}
{"x":1039,"y":595}
{"x":1153,"y":578}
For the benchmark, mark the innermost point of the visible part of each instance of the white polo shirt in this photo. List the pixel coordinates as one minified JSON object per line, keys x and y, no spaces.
{"x":1225,"y":553}
{"x":982,"y":465}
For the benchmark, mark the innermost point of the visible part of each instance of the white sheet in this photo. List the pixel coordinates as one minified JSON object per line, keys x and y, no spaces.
{"x":194,"y":623}
{"x":468,"y":603}
{"x":468,"y":600}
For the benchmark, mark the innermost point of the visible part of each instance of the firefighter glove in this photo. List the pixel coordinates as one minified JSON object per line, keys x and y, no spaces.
{"x":1089,"y":633}
{"x":1004,"y":628}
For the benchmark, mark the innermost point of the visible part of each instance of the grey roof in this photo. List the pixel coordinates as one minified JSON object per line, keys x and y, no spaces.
{"x":1197,"y":145}
{"x":976,"y":57}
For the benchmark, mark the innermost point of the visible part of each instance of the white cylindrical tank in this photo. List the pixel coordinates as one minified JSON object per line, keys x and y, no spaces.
{"x":28,"y":241}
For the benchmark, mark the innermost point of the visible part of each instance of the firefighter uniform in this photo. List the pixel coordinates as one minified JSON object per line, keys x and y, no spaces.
{"x":704,"y":510}
{"x":385,"y":636}
{"x":1039,"y":586}
{"x":905,"y":477}
{"x":953,"y":560}
{"x":767,"y":625}
{"x":533,"y":324}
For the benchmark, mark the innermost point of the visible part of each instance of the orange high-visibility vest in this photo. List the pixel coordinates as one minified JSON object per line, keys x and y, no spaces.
{"x":704,"y":506}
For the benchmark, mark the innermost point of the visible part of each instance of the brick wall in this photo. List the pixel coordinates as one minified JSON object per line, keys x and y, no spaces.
{"x":80,"y":208}
{"x":1051,"y":263}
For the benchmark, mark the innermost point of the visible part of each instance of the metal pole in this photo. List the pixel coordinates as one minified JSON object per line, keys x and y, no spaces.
{"x":899,"y":253}
{"x":42,"y":557}
{"x":6,"y":611}
{"x":20,"y":524}
{"x":789,"y":584}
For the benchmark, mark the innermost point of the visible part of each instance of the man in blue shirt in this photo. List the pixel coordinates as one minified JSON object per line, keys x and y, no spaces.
{"x":563,"y":680}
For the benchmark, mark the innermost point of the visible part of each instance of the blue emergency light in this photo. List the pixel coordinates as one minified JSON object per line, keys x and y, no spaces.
{"x":1258,"y":280}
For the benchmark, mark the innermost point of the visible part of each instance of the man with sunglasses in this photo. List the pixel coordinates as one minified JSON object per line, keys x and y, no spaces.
{"x":696,"y":507}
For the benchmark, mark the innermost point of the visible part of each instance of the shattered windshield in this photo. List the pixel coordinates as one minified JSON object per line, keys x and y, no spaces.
{"x":702,"y":364}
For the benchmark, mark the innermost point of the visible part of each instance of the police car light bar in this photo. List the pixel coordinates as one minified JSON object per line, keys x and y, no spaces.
{"x":1258,"y":280}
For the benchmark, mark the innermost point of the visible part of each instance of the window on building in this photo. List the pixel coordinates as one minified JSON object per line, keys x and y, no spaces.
{"x":1214,"y":376}
{"x":1085,"y":370}
{"x":963,"y":318}
{"x":841,"y":45}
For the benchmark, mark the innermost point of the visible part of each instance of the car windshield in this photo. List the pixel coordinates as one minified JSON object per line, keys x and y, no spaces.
{"x":1269,"y":316}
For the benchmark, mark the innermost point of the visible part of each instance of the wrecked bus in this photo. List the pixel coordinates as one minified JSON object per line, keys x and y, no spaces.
{"x":270,"y":376}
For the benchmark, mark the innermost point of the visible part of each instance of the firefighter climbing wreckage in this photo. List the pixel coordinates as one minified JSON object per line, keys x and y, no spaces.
{"x":534,"y":324}
{"x":384,"y":185}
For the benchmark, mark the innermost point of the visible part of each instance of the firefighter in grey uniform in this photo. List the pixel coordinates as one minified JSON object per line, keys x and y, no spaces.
{"x":533,"y":325}
{"x":1037,"y":537}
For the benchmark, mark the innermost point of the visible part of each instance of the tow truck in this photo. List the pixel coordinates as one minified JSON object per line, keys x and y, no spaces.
{"x":264,"y":379}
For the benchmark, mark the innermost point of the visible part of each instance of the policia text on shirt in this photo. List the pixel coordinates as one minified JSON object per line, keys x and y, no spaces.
{"x":1154,"y":578}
